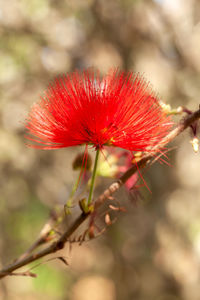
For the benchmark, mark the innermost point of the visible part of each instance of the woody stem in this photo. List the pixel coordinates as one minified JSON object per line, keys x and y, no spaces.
{"x":93,"y":177}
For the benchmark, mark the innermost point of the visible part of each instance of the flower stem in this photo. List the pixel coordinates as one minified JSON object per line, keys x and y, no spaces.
{"x":93,"y":177}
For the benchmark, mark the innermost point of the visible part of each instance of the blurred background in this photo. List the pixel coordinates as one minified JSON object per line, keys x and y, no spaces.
{"x":153,"y":250}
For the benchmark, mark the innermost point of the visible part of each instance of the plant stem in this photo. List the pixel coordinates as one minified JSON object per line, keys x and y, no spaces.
{"x":69,"y":202}
{"x":93,"y":177}
{"x":75,"y":187}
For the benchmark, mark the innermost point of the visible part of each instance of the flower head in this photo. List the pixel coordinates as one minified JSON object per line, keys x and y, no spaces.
{"x":80,"y":108}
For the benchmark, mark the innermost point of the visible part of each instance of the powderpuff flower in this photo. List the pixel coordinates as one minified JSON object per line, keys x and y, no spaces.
{"x":80,"y":108}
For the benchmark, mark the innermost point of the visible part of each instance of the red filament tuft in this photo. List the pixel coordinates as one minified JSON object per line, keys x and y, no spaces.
{"x":79,"y":108}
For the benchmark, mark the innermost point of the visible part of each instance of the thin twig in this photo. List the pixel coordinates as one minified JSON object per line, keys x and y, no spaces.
{"x":60,"y":243}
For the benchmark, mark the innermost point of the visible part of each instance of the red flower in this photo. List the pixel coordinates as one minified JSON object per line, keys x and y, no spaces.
{"x":80,"y":108}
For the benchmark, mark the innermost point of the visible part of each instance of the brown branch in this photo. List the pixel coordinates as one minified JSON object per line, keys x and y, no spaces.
{"x":60,"y":243}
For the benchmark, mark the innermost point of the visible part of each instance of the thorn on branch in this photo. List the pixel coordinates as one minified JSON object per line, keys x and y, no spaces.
{"x":61,"y":258}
